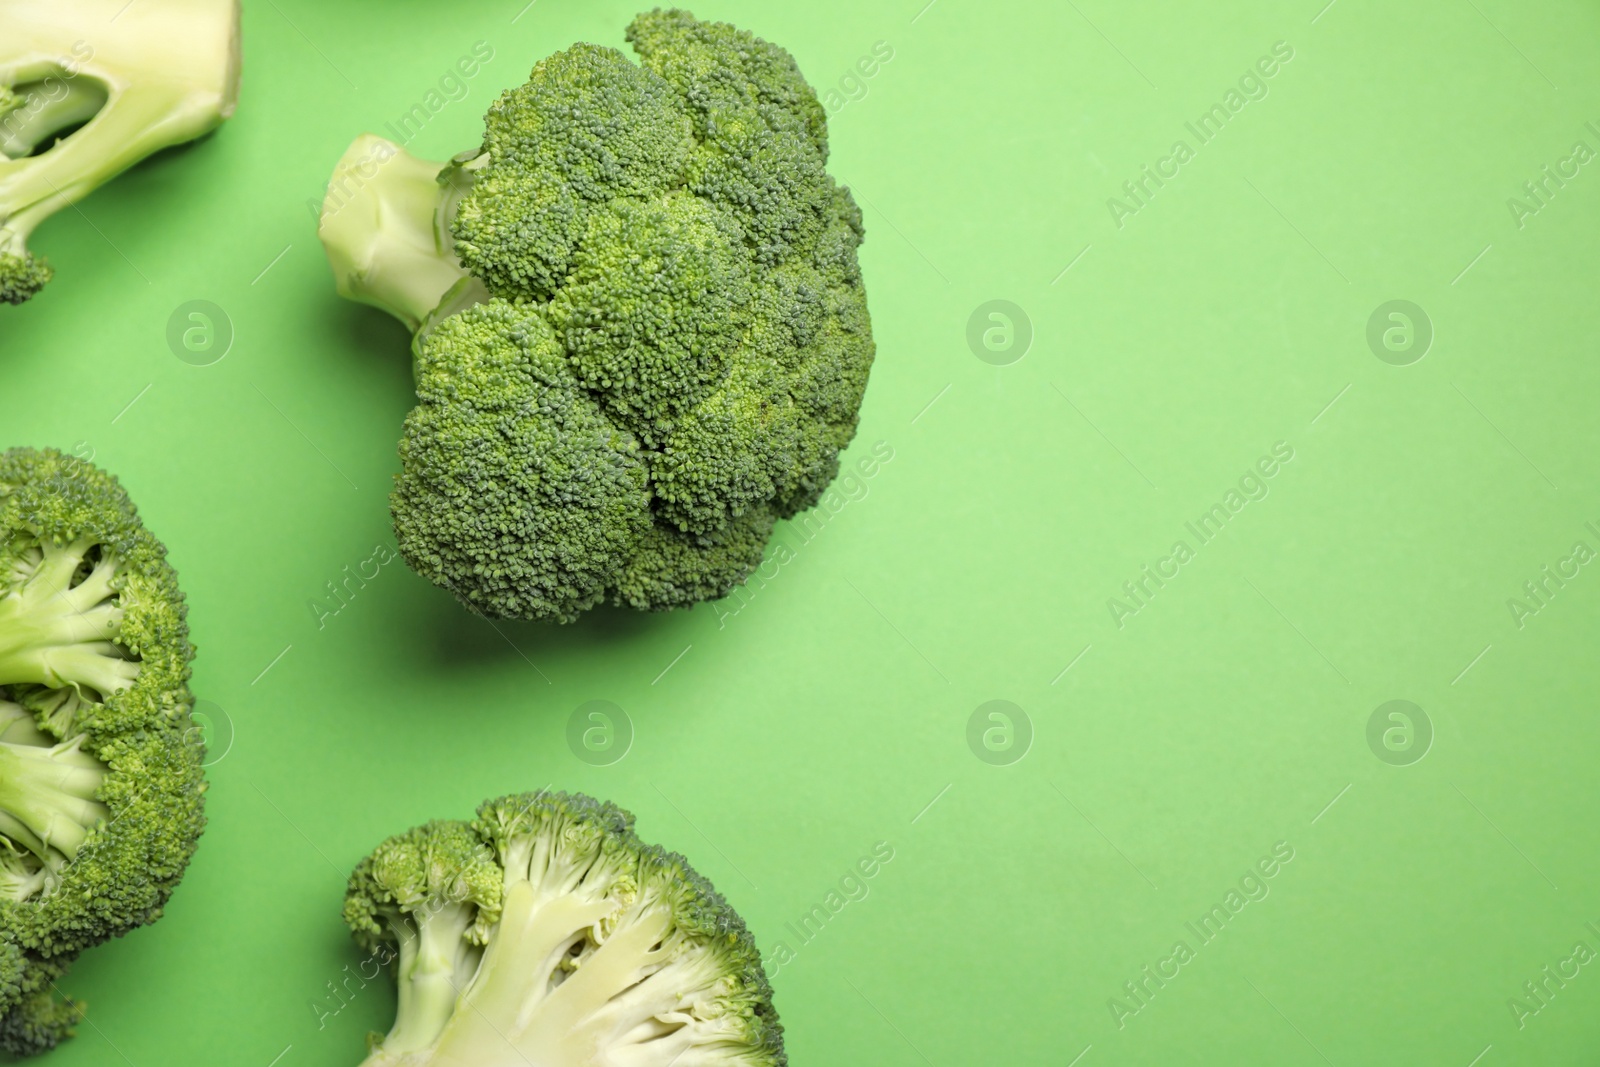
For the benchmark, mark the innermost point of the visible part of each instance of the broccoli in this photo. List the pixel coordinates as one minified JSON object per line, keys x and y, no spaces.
{"x":641,"y":336}
{"x":88,"y":88}
{"x":101,"y":777}
{"x":545,"y":932}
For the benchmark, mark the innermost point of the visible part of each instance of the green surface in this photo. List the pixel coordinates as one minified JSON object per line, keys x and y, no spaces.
{"x":779,"y":738}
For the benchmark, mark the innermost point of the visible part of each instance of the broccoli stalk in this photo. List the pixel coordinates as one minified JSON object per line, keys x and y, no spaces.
{"x":599,"y":948}
{"x":58,"y":631}
{"x":47,"y":798}
{"x":625,"y":993}
{"x":58,"y":627}
{"x":386,"y":227}
{"x":41,"y":112}
{"x":434,"y":892}
{"x":125,"y":82}
{"x":435,"y":962}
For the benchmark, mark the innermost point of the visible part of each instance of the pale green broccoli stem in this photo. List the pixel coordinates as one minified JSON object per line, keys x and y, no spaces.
{"x":47,"y":803}
{"x":529,"y":1002}
{"x":22,"y":876}
{"x":504,"y":1008}
{"x":167,"y":74}
{"x":47,"y":799}
{"x":17,"y":727}
{"x":58,"y":634}
{"x":430,"y":973}
{"x":127,"y":128}
{"x":38,"y":112}
{"x":386,"y":228}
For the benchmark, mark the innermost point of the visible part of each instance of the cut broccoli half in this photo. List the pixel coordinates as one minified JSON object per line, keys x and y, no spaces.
{"x":87,"y":91}
{"x":101,"y":766}
{"x":545,"y":932}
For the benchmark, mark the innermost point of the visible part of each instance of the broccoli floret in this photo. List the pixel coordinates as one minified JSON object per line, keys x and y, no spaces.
{"x":545,"y":931}
{"x":669,"y":570}
{"x":120,"y":90}
{"x":587,"y":128}
{"x":101,"y":777}
{"x":641,"y":332}
{"x":39,"y":1018}
{"x":504,"y":449}
{"x":762,"y":134}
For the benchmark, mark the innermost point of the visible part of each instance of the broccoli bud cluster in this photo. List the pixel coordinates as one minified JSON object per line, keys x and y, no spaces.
{"x":101,"y":766}
{"x":544,"y":931}
{"x":658,"y":342}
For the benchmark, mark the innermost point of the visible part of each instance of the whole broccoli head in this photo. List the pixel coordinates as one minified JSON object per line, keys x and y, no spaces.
{"x":85,"y":93}
{"x":101,"y":777}
{"x":545,"y":932}
{"x":642,"y":336}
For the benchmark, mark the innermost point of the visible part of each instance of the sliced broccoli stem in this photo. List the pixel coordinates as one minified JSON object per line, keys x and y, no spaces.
{"x":47,"y":798}
{"x":166,"y":77}
{"x":121,"y":133}
{"x":22,"y":875}
{"x":525,"y":1006}
{"x":386,"y":228}
{"x":17,"y":726}
{"x":45,"y":109}
{"x":57,"y":633}
{"x":167,"y":74}
{"x":430,"y":973}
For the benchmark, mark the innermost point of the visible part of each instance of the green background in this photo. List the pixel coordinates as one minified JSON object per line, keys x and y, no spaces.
{"x":778,"y":738}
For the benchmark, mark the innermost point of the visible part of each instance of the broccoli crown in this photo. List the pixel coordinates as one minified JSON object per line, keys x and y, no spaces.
{"x":672,"y":342}
{"x":101,"y":777}
{"x":545,"y":931}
